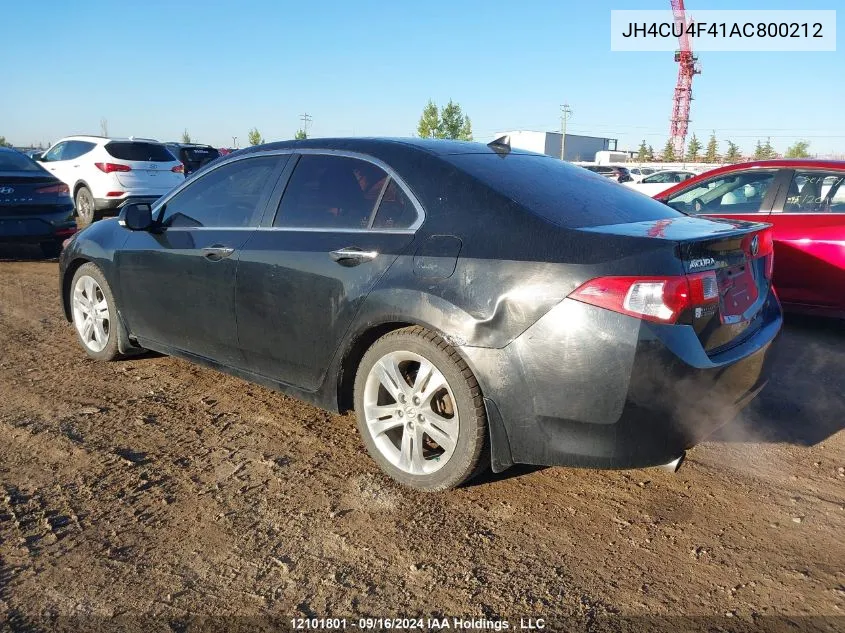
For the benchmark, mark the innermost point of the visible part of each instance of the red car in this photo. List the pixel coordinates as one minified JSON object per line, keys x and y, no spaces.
{"x":804,"y":200}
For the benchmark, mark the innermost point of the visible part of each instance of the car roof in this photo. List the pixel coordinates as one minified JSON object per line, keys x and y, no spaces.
{"x":437,"y":147}
{"x":94,"y":137}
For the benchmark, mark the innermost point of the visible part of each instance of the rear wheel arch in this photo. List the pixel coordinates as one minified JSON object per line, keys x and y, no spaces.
{"x":79,"y":185}
{"x":352,"y":356}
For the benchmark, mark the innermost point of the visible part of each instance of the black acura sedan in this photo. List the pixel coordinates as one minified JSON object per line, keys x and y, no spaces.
{"x":35,"y":206}
{"x":474,"y":304}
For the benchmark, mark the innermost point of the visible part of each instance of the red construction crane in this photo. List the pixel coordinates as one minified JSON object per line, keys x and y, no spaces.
{"x":687,"y":67}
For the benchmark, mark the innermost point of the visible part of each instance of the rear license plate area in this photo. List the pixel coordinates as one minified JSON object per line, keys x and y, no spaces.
{"x":737,"y":290}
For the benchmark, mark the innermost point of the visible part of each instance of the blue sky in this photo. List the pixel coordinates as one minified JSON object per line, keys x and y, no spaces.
{"x":361,"y":67}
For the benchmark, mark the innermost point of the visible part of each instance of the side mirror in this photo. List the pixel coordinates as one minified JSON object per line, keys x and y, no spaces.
{"x":136,"y":216}
{"x":39,"y":157}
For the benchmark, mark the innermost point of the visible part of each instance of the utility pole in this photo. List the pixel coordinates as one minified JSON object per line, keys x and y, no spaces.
{"x":306,"y":119}
{"x":565,"y":115}
{"x":235,"y":142}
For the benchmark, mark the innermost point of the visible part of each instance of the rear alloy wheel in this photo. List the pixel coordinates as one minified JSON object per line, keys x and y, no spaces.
{"x":420,"y":410}
{"x":84,"y":206}
{"x":94,"y":313}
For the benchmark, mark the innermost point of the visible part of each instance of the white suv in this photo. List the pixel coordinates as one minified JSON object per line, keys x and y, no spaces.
{"x":105,"y":173}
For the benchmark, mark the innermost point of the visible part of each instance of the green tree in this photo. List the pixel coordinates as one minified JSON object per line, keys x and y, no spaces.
{"x":733,"y":155}
{"x":711,"y":154}
{"x":255,"y":137}
{"x":799,"y":150}
{"x":642,"y":154}
{"x":466,"y":130}
{"x":453,"y":123}
{"x":186,"y":138}
{"x":300,"y":135}
{"x":669,"y":152}
{"x":768,"y":150}
{"x":693,"y":149}
{"x":758,"y":151}
{"x":650,"y":154}
{"x":429,"y":125}
{"x":4,"y":142}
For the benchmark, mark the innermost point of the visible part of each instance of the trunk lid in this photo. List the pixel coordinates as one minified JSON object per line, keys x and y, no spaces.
{"x":29,"y":191}
{"x":736,"y":255}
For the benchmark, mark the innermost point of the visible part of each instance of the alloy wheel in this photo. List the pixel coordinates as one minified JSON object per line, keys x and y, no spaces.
{"x":410,"y":412}
{"x":91,"y":313}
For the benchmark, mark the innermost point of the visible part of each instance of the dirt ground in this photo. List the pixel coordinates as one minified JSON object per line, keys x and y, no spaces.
{"x":152,"y":490}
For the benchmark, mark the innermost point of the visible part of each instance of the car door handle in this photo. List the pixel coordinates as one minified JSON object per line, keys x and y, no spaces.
{"x":352,"y":256}
{"x":217,"y":252}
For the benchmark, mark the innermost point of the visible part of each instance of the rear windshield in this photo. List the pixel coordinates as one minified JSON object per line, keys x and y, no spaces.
{"x":15,"y":161}
{"x":199,"y":154}
{"x":134,"y":150}
{"x":562,"y":193}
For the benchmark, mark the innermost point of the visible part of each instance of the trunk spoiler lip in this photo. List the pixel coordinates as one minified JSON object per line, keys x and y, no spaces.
{"x":682,"y":229}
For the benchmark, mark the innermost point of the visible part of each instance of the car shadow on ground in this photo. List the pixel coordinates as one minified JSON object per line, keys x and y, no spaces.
{"x":803,"y":403}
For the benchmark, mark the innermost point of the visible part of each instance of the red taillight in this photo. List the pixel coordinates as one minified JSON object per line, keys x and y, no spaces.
{"x":110,"y":167}
{"x":659,"y":299}
{"x":114,"y":194}
{"x":178,"y":169}
{"x":59,"y":189}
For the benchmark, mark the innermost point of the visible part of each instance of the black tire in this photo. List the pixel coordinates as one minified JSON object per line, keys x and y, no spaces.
{"x":84,"y":204}
{"x":115,"y":333}
{"x":51,"y":250}
{"x":469,"y":457}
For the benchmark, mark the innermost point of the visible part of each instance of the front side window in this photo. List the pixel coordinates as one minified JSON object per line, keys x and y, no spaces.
{"x":55,"y":153}
{"x":228,"y":197}
{"x":663,"y":177}
{"x":816,"y":192}
{"x":331,"y":192}
{"x":741,"y":192}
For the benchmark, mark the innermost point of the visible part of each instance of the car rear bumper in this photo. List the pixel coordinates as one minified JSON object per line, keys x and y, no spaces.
{"x":105,"y":205}
{"x":36,"y":226}
{"x":592,"y":388}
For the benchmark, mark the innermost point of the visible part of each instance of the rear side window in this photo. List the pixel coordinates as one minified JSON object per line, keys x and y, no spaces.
{"x":135,"y":150}
{"x":330,"y":192}
{"x":14,"y":161}
{"x":562,"y":193}
{"x":230,"y":196}
{"x":816,"y":192}
{"x":395,"y":211}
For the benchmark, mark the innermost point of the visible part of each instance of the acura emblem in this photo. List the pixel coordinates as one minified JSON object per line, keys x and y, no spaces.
{"x":7,"y":190}
{"x":755,"y":246}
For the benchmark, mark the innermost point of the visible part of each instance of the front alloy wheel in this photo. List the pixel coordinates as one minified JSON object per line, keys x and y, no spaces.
{"x":94,"y":314}
{"x":91,"y":313}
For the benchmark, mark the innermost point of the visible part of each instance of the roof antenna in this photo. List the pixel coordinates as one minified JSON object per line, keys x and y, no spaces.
{"x":501,"y":145}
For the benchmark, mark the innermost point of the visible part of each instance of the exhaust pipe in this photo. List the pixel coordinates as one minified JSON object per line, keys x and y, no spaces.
{"x":675,"y":464}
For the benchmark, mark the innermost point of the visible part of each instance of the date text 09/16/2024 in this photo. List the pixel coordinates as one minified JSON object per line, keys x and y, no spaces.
{"x":418,"y":624}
